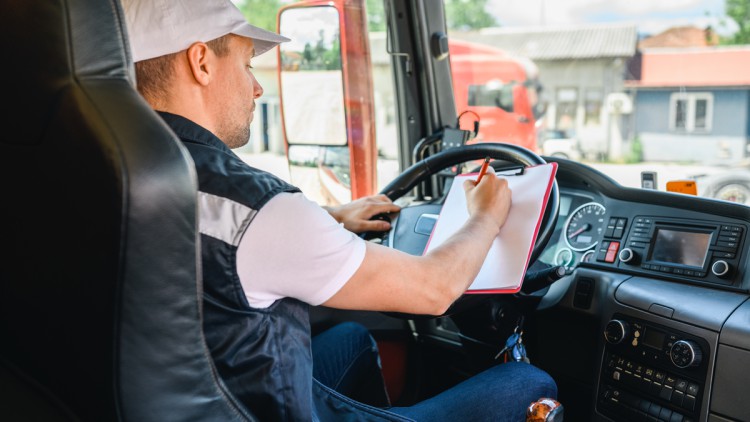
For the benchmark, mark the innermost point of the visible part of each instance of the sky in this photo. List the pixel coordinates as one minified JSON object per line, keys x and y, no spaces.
{"x":651,"y":16}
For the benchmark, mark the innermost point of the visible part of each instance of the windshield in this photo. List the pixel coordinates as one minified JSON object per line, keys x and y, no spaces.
{"x":638,"y":90}
{"x":630,"y":88}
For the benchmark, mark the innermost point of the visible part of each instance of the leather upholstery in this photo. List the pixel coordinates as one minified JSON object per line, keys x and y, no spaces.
{"x":100,"y":310}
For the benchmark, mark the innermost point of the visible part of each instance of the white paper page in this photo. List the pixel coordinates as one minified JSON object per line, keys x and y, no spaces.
{"x":506,"y":262}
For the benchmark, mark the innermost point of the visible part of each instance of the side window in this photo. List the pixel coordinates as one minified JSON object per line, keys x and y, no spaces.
{"x":386,"y":132}
{"x":691,"y":112}
{"x":322,"y":173}
{"x":492,"y":94}
{"x":567,"y":108}
{"x":593,"y":107}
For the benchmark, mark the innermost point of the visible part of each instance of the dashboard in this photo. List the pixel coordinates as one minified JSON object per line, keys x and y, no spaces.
{"x":662,"y":277}
{"x":665,"y":276}
{"x":673,"y":245}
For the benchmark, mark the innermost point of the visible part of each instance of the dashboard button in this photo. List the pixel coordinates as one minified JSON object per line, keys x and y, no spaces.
{"x":655,"y":388}
{"x":654,"y":410}
{"x":643,"y":406}
{"x":730,"y":245}
{"x":729,"y":239}
{"x":689,"y":403}
{"x":677,"y":397}
{"x":669,"y":381}
{"x":665,"y":414}
{"x":693,"y":389}
{"x":676,"y":417}
{"x":726,"y":255}
{"x":680,"y":385}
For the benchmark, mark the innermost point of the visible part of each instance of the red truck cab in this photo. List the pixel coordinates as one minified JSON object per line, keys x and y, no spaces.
{"x":502,"y":91}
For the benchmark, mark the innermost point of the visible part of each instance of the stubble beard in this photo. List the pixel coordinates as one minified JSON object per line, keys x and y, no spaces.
{"x":236,"y":136}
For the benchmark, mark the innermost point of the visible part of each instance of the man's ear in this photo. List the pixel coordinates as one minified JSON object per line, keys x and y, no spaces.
{"x":200,"y":58}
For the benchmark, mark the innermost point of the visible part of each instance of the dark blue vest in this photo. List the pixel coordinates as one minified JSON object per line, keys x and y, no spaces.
{"x":263,"y":355}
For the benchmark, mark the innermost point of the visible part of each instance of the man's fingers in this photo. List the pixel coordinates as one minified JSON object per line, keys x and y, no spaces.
{"x":469,"y":184}
{"x":375,"y":209}
{"x":374,"y":225}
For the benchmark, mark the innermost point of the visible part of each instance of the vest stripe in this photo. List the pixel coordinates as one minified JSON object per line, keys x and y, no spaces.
{"x":222,"y":218}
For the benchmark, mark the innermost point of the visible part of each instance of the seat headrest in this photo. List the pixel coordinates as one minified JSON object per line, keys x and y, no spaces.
{"x":38,"y":36}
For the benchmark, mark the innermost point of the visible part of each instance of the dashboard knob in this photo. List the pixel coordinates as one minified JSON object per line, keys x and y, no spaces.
{"x":627,"y":255}
{"x":720,"y":268}
{"x":616,"y":331}
{"x":685,"y":353}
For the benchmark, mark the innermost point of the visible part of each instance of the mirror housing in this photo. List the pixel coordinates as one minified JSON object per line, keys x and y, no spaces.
{"x":356,"y":81}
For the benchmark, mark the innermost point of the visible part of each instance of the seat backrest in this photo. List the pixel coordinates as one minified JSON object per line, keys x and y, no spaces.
{"x":100,"y":310}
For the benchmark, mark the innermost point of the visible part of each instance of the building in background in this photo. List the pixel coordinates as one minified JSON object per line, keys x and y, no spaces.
{"x":582,"y":70}
{"x":266,"y":132}
{"x":687,"y":101}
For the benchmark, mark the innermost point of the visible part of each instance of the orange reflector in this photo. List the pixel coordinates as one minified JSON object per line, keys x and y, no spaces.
{"x":683,"y":186}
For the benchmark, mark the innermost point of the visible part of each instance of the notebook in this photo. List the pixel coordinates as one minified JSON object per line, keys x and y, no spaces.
{"x":505,"y":265}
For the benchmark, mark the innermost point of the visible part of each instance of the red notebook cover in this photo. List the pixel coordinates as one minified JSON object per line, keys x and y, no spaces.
{"x":506,"y":262}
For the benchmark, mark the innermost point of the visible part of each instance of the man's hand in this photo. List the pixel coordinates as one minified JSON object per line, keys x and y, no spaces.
{"x":356,"y":215}
{"x":490,"y":199}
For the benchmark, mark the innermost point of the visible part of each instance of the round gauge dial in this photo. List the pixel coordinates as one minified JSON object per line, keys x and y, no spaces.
{"x":564,"y":257}
{"x":584,"y":227}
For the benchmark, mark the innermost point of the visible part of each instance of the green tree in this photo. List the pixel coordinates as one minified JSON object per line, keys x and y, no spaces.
{"x":375,"y":15}
{"x":461,"y":14}
{"x":468,"y":14}
{"x":739,"y":12}
{"x":260,"y":13}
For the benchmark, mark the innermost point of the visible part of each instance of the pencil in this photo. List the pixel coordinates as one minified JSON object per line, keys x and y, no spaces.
{"x":483,"y":169}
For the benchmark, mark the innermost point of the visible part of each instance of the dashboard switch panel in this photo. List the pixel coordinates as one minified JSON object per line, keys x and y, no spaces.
{"x":707,"y":252}
{"x":652,"y":370}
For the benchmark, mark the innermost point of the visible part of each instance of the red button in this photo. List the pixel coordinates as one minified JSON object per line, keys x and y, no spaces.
{"x":612,"y":252}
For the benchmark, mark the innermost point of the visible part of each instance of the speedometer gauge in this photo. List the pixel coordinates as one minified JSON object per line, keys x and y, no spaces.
{"x":584,"y":227}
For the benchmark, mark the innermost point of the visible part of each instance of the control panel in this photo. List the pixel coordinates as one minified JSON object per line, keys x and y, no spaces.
{"x":651,"y":373}
{"x":696,"y":250}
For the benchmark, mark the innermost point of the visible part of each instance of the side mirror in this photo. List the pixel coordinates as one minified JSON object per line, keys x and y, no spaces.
{"x":327,"y":106}
{"x":312,"y":91}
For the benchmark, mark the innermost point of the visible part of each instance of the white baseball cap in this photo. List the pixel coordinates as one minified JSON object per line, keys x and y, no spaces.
{"x":160,"y":27}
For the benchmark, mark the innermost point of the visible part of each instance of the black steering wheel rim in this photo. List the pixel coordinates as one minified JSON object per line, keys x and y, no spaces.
{"x":422,"y":170}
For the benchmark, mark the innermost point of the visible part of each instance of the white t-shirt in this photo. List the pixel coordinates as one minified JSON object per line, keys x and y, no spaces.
{"x":294,"y":248}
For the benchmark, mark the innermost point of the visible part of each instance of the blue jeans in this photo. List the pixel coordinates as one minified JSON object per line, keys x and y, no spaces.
{"x":346,"y":352}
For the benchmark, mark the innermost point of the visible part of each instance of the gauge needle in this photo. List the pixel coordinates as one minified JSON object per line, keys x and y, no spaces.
{"x":579,"y":231}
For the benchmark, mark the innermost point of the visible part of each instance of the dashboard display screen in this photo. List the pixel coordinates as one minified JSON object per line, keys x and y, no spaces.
{"x":565,"y":201}
{"x":680,"y":247}
{"x":653,"y":338}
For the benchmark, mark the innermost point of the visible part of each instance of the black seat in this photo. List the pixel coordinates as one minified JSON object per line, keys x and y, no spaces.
{"x":99,"y":282}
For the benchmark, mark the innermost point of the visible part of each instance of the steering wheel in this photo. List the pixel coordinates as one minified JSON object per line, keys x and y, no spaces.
{"x":411,"y":230}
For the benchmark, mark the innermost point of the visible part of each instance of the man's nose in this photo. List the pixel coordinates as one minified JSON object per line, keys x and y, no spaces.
{"x":258,"y":90}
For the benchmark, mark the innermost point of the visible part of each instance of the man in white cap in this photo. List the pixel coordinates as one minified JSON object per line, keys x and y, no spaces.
{"x":268,"y":253}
